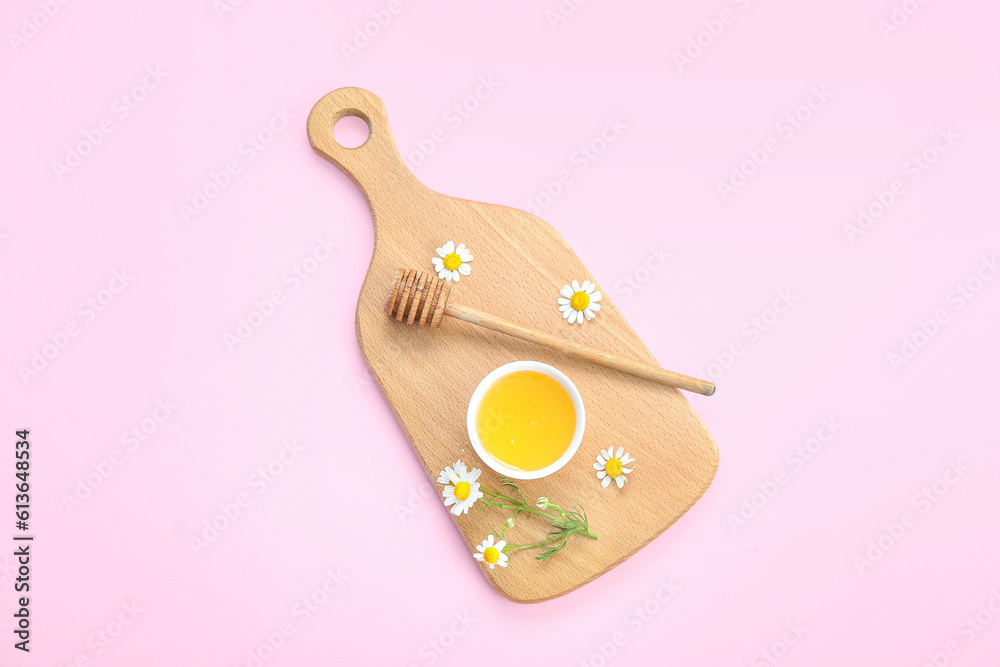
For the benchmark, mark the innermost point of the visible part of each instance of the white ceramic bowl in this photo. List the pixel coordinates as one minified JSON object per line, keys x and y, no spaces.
{"x":507,"y":369}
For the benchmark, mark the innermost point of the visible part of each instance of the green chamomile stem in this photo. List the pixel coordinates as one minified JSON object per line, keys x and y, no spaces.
{"x":523,"y":508}
{"x":514,"y":505}
{"x":514,"y":547}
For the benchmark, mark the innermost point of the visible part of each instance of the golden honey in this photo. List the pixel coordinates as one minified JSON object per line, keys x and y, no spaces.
{"x":526,"y":420}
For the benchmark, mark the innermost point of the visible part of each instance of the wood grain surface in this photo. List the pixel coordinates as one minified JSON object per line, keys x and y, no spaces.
{"x":428,"y":375}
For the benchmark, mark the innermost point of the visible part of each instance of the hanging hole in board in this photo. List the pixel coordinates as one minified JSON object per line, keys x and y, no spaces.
{"x":352,"y":129}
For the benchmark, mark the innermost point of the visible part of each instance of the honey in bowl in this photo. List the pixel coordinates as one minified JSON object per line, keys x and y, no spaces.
{"x":526,"y":420}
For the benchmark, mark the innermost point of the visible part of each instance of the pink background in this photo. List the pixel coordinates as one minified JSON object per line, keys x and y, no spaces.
{"x":338,"y":503}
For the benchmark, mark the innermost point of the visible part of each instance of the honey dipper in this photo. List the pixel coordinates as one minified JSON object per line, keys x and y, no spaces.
{"x":422,"y":299}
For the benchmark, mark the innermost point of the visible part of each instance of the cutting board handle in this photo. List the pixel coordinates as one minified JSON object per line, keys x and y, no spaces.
{"x":376,"y":165}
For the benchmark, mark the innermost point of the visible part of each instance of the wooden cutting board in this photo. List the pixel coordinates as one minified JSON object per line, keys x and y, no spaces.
{"x":428,"y":375}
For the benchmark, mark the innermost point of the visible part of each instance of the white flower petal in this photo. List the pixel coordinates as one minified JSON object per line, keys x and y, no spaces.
{"x":627,"y":459}
{"x":443,"y":273}
{"x":464,"y":269}
{"x":566,"y":292}
{"x":595,"y":307}
{"x":568,"y":313}
{"x":586,"y":287}
{"x":604,"y":484}
{"x":591,"y":287}
{"x":460,"y":249}
{"x":601,"y":474}
{"x":576,"y":286}
{"x":626,"y":471}
{"x":610,"y":454}
{"x":489,"y":541}
{"x":598,"y":466}
{"x":621,"y":452}
{"x":474,"y":475}
{"x":501,"y":544}
{"x":563,"y":301}
{"x":595,"y":297}
{"x":620,"y":481}
{"x":589,"y":314}
{"x":478,"y":557}
{"x":466,"y":256}
{"x":448,"y":247}
{"x":502,"y":562}
{"x":437,"y":262}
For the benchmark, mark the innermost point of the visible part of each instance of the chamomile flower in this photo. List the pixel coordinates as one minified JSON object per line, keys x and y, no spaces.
{"x":491,"y":554}
{"x":461,"y":489}
{"x":611,"y":466}
{"x":579,"y":301}
{"x":452,"y":263}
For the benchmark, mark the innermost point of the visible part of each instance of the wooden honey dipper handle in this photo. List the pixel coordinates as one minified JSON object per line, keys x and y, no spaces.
{"x":423,"y":300}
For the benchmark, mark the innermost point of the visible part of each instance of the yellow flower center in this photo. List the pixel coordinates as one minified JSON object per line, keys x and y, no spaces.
{"x":452,"y":261}
{"x":491,"y":555}
{"x":462,"y":490}
{"x":613,"y":467}
{"x":580,"y":301}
